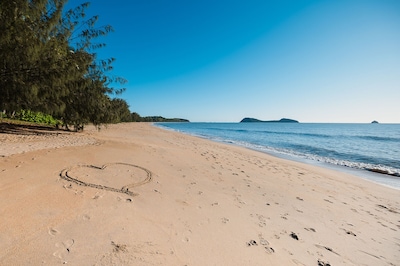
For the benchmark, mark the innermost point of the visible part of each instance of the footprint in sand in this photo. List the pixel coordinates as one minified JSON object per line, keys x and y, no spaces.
{"x":225,"y":220}
{"x":86,"y":217}
{"x":53,"y":231}
{"x":252,"y":243}
{"x":63,"y":248}
{"x":119,"y":247}
{"x":98,"y":195}
{"x":294,"y":236}
{"x":263,"y":242}
{"x":327,"y":248}
{"x":323,"y":263}
{"x":349,"y":232}
{"x":310,"y":229}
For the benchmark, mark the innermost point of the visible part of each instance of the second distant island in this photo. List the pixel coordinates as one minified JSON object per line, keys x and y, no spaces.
{"x":283,"y":120}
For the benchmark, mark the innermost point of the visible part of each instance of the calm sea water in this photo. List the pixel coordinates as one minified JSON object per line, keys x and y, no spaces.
{"x":353,"y":147}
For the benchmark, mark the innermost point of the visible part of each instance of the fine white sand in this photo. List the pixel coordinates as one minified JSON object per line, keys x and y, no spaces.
{"x":134,"y":194}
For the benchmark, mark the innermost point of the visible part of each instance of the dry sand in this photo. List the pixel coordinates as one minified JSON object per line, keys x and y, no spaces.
{"x":133,"y":194}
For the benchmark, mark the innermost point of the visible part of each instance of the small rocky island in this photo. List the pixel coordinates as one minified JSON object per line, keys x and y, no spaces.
{"x":283,"y":120}
{"x":374,"y":122}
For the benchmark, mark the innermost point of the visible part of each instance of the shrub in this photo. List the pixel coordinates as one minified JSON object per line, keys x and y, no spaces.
{"x":36,"y":117}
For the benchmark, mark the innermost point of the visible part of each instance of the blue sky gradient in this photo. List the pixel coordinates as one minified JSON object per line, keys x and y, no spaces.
{"x":220,"y":61}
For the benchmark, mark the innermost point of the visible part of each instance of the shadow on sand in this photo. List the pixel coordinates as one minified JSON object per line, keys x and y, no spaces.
{"x":26,"y":129}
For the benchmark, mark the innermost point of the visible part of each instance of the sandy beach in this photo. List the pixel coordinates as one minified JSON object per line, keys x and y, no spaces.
{"x":134,"y":194}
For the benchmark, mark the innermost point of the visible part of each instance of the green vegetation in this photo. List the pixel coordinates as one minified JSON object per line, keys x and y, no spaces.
{"x":135,"y":117}
{"x":36,"y":117}
{"x":49,"y":66}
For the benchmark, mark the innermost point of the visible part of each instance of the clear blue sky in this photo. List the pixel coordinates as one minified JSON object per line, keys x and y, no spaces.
{"x":222,"y":60}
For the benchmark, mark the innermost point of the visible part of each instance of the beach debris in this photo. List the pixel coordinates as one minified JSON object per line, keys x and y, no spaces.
{"x":294,"y":236}
{"x":299,"y":198}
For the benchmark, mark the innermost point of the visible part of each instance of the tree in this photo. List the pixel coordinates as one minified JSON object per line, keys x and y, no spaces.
{"x":89,"y":98}
{"x":49,"y":64}
{"x":120,"y":111}
{"x":27,"y":50}
{"x":135,"y":117}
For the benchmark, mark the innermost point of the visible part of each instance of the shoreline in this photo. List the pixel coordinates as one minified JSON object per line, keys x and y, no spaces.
{"x":376,"y":176}
{"x":191,"y":201}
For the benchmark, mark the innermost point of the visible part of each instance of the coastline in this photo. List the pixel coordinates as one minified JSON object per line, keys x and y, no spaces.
{"x":372,"y":174}
{"x":206,"y":203}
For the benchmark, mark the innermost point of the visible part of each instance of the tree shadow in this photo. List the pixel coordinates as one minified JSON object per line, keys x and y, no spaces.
{"x":24,"y":129}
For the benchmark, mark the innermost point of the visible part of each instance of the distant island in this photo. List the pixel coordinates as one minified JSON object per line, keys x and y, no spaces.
{"x":283,"y":120}
{"x":135,"y":117}
{"x":374,"y":122}
{"x":162,"y":119}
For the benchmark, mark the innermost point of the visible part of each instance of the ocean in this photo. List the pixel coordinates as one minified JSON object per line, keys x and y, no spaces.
{"x":361,"y":149}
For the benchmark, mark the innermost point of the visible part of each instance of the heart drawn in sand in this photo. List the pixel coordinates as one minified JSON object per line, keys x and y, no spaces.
{"x":117,"y":177}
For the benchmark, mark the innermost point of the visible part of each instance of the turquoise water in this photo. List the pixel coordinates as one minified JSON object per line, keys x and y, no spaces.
{"x":358,"y":147}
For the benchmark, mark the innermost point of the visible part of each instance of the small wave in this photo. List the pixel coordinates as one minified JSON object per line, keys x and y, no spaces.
{"x":382,"y":171}
{"x":313,"y":135}
{"x":272,"y":132}
{"x":228,"y":129}
{"x":303,"y":148}
{"x":338,"y":148}
{"x":377,"y":138}
{"x":378,"y":168}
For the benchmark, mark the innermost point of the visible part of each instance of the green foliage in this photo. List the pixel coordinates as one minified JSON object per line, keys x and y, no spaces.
{"x":120,"y":111}
{"x":49,"y":65}
{"x":36,"y":117}
{"x":135,"y":117}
